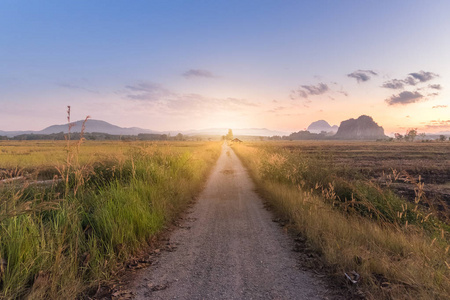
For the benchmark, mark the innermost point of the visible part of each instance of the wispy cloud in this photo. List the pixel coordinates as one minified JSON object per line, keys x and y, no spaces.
{"x":435,"y":86}
{"x":276,"y":109}
{"x":319,"y":89}
{"x":310,"y":90}
{"x":193,"y":73}
{"x":75,"y":87}
{"x":148,"y":91}
{"x":440,"y":106}
{"x":199,"y":105}
{"x":174,"y":103}
{"x":438,"y":124}
{"x":404,"y":98}
{"x":362,"y":75}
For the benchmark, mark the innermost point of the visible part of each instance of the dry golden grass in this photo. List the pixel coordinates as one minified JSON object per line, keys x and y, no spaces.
{"x":395,"y":262}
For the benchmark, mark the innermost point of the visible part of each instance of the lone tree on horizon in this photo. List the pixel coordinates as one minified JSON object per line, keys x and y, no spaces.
{"x":229,"y":135}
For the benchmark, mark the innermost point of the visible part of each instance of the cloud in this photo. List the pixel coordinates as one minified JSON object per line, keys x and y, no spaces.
{"x":199,"y":105}
{"x":343,"y":93}
{"x":394,"y":84}
{"x":397,"y":84}
{"x":438,"y":124}
{"x":440,"y":106}
{"x":321,"y":88}
{"x":148,"y":91}
{"x":423,"y":76}
{"x":435,"y":86}
{"x":309,"y":90}
{"x":412,"y":79}
{"x":166,"y":101}
{"x":305,"y":91}
{"x":404,"y":98}
{"x":192,"y":73}
{"x":276,"y":109}
{"x":362,"y":75}
{"x":75,"y":87}
{"x":298,"y":94}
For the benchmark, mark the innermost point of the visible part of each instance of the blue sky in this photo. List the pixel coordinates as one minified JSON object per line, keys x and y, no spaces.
{"x":176,"y":65}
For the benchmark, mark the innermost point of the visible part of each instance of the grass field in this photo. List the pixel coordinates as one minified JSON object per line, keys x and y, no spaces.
{"x":332,"y":194}
{"x":72,"y":214}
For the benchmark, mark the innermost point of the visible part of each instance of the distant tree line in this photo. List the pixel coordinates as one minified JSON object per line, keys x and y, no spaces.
{"x":412,"y":134}
{"x":98,"y":136}
{"x":302,"y":135}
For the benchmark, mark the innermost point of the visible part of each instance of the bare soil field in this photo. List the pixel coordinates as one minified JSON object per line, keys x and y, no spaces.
{"x":428,"y":163}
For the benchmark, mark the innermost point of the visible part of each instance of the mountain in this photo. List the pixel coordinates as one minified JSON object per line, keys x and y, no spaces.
{"x":91,"y":126}
{"x":95,"y":126}
{"x":321,"y":125}
{"x":105,"y":127}
{"x":363,"y":128}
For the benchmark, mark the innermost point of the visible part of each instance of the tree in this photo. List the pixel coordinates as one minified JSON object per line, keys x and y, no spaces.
{"x":411,"y":134}
{"x":398,"y":136}
{"x":179,"y":137}
{"x":229,"y":135}
{"x":442,"y":137}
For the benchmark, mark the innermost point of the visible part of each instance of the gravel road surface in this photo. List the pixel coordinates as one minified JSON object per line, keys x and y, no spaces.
{"x":228,"y":248}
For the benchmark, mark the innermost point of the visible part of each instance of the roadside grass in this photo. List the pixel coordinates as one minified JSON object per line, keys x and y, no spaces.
{"x":107,"y":202}
{"x":41,"y":157}
{"x":399,"y":249}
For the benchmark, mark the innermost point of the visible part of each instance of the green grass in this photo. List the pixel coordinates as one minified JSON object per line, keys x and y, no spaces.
{"x":400,"y":251}
{"x":56,"y":241}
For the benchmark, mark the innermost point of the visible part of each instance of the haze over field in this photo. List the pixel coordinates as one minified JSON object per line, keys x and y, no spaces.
{"x":188,"y":65}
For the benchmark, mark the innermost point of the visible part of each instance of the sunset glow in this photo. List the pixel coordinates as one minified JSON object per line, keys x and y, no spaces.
{"x":180,"y":65}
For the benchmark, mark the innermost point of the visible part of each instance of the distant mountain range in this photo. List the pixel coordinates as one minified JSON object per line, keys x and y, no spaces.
{"x":362,"y":128}
{"x":105,"y":127}
{"x":91,"y":126}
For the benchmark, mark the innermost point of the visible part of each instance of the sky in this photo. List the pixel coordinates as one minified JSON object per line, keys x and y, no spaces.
{"x":180,"y":65}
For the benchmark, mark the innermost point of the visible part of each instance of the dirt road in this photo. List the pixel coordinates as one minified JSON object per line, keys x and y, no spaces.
{"x":228,"y":248}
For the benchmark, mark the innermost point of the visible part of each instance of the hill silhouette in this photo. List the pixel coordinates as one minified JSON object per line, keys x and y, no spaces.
{"x":321,"y":125}
{"x":95,"y":126}
{"x":363,"y":128}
